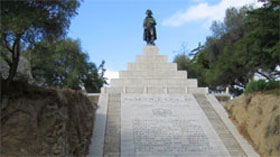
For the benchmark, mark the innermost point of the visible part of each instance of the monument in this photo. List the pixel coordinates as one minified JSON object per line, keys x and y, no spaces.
{"x":149,"y":28}
{"x":153,"y":109}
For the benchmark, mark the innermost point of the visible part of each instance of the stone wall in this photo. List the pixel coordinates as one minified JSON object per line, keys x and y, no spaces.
{"x":45,"y":122}
{"x":257,"y":117}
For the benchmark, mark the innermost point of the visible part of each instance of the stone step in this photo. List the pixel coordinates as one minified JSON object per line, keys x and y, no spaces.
{"x":154,"y":82}
{"x":153,"y":75}
{"x":227,"y":138}
{"x":151,"y":59}
{"x":157,"y":90}
{"x":113,"y":127}
{"x":111,"y":101}
{"x":150,"y":50}
{"x":152,"y":67}
{"x":114,"y":105}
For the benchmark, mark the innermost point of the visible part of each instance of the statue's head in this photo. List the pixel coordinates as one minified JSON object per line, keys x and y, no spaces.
{"x":149,"y":12}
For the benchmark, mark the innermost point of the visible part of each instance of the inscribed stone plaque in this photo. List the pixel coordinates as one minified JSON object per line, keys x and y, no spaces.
{"x":166,"y":125}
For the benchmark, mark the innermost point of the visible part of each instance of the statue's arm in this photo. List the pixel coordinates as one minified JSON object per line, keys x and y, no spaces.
{"x":154,"y":21}
{"x":145,"y":24}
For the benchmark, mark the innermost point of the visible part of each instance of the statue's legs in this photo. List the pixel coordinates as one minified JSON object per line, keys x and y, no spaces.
{"x":149,"y":37}
{"x":152,"y":37}
{"x":152,"y":42}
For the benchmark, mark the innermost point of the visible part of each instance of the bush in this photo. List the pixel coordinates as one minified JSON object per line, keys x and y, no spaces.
{"x":223,"y":98}
{"x":261,"y":85}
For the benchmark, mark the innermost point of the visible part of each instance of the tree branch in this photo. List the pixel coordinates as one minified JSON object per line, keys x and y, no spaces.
{"x":5,"y":42}
{"x":264,"y":75}
{"x":16,"y":53}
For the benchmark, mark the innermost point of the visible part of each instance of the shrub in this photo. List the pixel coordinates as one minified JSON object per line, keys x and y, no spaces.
{"x":261,"y":85}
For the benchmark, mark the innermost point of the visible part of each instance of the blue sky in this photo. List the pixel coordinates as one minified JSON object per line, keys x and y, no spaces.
{"x":112,"y":30}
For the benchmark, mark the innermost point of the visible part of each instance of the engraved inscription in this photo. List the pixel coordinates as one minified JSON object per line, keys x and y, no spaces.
{"x":173,"y":136}
{"x":160,"y":112}
{"x":166,"y":125}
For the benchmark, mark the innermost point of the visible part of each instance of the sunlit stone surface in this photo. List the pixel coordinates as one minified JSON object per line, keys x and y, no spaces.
{"x":166,"y":125}
{"x":154,"y":110}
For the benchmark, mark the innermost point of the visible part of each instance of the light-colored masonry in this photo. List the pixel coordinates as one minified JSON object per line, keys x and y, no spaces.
{"x":154,"y":110}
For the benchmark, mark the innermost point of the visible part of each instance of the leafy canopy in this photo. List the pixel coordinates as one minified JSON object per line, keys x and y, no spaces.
{"x":63,"y":64}
{"x":24,"y":23}
{"x":244,"y":44}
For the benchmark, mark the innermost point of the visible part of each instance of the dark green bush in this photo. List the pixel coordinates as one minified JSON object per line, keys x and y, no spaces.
{"x":261,"y":85}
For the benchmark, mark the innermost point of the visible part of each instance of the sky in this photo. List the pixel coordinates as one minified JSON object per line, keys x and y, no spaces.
{"x":112,"y":30}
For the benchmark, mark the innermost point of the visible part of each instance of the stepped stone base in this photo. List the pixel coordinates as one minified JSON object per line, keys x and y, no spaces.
{"x":151,"y":73}
{"x":153,"y":110}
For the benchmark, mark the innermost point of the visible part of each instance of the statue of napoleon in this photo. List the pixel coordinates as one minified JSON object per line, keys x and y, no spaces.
{"x":150,"y":34}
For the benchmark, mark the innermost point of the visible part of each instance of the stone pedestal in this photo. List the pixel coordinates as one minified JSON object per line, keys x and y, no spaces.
{"x":154,"y":110}
{"x":151,"y":73}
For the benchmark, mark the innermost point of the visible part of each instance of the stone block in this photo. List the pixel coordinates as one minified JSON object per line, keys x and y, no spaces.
{"x":176,"y":90}
{"x":151,"y":59}
{"x":151,"y":66}
{"x":153,"y":75}
{"x":150,"y":50}
{"x":135,"y":90}
{"x":199,"y":90}
{"x":154,"y":82}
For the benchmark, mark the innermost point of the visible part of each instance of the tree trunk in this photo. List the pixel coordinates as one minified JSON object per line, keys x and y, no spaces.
{"x":1,"y":88}
{"x":14,"y":66}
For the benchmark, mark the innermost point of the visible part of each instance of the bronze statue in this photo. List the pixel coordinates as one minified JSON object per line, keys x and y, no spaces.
{"x":150,"y":34}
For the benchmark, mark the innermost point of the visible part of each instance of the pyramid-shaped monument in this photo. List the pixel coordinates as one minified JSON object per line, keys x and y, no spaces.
{"x":154,"y":110}
{"x":151,"y":73}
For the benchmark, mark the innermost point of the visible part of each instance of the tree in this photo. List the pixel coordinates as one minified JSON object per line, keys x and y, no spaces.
{"x":193,"y":68}
{"x":264,"y":39}
{"x":62,"y":63}
{"x":246,"y":42}
{"x":182,"y":61}
{"x":94,"y":80}
{"x":223,"y":61}
{"x":24,"y":23}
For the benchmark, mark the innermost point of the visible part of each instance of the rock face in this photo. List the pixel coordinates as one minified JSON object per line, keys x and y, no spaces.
{"x":45,"y":122}
{"x":258,"y":117}
{"x":23,"y":70}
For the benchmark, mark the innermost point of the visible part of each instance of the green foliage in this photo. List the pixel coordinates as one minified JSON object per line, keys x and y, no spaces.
{"x":63,"y":64}
{"x":33,"y":19}
{"x":94,"y":80}
{"x":261,"y":85}
{"x":182,"y":61}
{"x":24,"y":23}
{"x":194,"y":70}
{"x":245,"y":43}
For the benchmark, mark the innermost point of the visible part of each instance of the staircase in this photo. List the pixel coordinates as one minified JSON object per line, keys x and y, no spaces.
{"x":113,"y":127}
{"x":153,"y":103}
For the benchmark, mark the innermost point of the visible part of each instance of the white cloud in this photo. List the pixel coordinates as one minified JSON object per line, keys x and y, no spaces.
{"x":204,"y":11}
{"x":111,"y":74}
